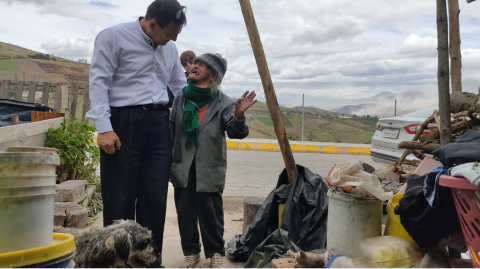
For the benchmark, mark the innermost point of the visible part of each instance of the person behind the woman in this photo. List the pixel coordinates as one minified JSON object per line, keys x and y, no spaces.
{"x":186,"y":58}
{"x":201,"y":115}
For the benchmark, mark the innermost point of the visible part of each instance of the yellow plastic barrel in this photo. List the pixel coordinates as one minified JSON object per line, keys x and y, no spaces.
{"x":53,"y":255}
{"x":394,"y":227}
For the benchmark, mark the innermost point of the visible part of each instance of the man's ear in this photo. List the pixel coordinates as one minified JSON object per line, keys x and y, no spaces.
{"x":151,"y":24}
{"x":120,"y":242}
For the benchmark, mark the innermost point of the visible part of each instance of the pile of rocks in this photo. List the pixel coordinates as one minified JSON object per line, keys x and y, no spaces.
{"x":72,"y":198}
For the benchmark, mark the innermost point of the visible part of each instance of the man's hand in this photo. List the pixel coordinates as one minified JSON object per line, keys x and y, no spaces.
{"x":108,"y":142}
{"x":243,"y":103}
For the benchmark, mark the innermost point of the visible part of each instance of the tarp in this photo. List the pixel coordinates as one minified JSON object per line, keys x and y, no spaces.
{"x":304,"y":222}
{"x":22,"y":109}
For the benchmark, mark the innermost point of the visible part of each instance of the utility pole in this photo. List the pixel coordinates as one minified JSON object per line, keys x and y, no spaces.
{"x":303,"y":114}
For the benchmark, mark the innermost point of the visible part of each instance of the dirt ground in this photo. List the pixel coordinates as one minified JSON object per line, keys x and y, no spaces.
{"x":172,"y":250}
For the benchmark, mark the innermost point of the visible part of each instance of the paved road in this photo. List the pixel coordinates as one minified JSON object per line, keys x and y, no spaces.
{"x":255,"y":173}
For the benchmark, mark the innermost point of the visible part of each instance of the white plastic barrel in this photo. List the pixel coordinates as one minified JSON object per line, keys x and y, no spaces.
{"x":27,"y":197}
{"x":350,"y":221}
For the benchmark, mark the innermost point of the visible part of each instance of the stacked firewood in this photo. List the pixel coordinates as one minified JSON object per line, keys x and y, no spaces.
{"x":465,"y":108}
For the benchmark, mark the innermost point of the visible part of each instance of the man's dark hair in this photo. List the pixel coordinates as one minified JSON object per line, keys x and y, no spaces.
{"x":164,"y":12}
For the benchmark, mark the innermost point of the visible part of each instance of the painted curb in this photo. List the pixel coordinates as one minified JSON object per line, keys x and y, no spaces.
{"x":301,"y":148}
{"x":272,"y":147}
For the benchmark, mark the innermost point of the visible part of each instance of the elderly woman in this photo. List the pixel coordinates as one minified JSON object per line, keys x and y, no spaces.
{"x":201,"y":115}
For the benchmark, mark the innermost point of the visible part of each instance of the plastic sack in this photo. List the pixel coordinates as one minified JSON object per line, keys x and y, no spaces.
{"x":22,"y":109}
{"x":352,"y":178}
{"x":304,"y":222}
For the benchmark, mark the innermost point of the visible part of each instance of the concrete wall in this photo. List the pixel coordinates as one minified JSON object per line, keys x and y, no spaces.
{"x":31,"y":134}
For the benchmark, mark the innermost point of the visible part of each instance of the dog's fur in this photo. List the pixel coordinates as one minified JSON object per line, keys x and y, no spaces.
{"x":123,"y":242}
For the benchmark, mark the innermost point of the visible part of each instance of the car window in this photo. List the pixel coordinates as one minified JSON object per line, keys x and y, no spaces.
{"x":424,"y":113}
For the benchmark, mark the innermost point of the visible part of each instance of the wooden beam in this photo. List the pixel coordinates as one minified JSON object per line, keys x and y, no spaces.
{"x":455,"y":53}
{"x":269,"y":90}
{"x":443,"y":73}
{"x":19,"y":91}
{"x":31,"y":92}
{"x":74,"y":100}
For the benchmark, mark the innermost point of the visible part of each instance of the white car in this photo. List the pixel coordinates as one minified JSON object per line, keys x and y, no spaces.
{"x":391,"y":131}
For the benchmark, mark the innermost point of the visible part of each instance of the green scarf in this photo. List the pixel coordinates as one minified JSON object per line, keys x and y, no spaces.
{"x":196,"y":98}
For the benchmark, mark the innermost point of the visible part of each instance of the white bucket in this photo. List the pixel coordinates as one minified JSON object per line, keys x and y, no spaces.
{"x":27,"y":197}
{"x":350,"y":221}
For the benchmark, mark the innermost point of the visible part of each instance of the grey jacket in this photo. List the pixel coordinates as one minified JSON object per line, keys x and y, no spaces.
{"x":211,"y":153}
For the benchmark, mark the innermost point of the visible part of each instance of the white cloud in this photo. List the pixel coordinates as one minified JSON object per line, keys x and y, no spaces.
{"x":72,"y":48}
{"x":328,"y":50}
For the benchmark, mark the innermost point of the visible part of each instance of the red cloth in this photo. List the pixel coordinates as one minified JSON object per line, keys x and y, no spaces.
{"x":201,"y":113}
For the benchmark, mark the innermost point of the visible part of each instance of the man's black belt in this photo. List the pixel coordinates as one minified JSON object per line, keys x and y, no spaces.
{"x":162,"y":107}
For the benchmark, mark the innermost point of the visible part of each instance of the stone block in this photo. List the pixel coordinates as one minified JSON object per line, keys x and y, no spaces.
{"x":73,"y":191}
{"x":76,"y":215}
{"x":60,"y":216}
{"x":90,"y":192}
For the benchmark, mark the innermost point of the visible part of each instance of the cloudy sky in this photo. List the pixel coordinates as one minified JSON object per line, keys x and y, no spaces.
{"x":333,"y":51}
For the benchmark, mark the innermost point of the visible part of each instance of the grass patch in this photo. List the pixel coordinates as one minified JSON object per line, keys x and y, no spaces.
{"x":7,"y":65}
{"x":268,"y":121}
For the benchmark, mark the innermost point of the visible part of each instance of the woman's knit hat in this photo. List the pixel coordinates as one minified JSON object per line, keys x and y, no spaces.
{"x":215,"y":62}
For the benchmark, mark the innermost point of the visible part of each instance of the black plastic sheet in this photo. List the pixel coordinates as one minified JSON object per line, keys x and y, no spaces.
{"x":22,"y":109}
{"x":304,"y":222}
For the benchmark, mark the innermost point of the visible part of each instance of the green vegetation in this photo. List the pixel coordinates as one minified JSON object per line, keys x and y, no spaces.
{"x":40,"y":56}
{"x":7,"y":65}
{"x":78,"y":158}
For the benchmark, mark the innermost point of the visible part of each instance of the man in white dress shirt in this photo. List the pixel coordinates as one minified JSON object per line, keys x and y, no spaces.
{"x":132,"y":65}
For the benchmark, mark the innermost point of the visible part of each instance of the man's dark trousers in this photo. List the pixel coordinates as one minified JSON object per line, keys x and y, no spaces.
{"x":135,"y":178}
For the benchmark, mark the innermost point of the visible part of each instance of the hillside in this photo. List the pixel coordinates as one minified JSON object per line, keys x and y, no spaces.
{"x":320,"y":125}
{"x":18,"y":63}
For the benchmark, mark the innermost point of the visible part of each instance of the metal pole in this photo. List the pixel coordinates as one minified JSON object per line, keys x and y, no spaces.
{"x":303,"y":114}
{"x":395,"y":112}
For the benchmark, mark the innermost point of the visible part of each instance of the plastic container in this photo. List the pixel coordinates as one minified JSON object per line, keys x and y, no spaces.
{"x":27,"y":197}
{"x":350,"y":221}
{"x":281,"y":207}
{"x":56,"y":255}
{"x":386,"y":252}
{"x":394,"y":227}
{"x":467,"y":201}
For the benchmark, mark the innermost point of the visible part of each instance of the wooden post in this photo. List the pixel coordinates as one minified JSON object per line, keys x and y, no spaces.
{"x":455,"y":53}
{"x":32,"y":91}
{"x":86,"y":104}
{"x":19,"y":91}
{"x":58,"y":99}
{"x":74,"y":100}
{"x":45,"y":93}
{"x":65,"y":107}
{"x":267,"y":83}
{"x":4,"y":89}
{"x":443,"y":74}
{"x":15,"y":119}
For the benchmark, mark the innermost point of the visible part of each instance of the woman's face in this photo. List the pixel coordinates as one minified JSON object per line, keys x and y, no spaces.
{"x":188,"y":65}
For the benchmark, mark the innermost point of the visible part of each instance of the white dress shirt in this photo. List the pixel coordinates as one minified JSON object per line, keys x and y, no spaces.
{"x":129,"y":69}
